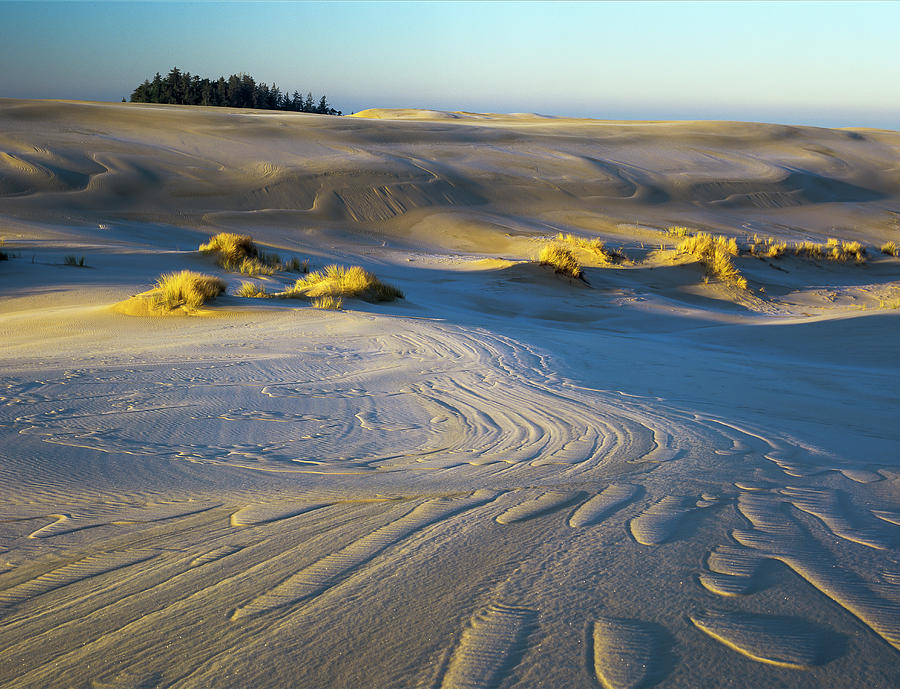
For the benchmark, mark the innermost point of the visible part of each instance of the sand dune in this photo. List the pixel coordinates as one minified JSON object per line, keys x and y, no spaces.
{"x":506,"y":479}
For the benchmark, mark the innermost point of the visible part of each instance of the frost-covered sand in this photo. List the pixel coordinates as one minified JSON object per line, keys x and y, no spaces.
{"x":504,"y":480}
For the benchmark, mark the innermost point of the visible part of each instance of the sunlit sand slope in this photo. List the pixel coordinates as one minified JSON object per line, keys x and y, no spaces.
{"x":506,"y":479}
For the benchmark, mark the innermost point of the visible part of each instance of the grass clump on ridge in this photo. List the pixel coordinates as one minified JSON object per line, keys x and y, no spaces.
{"x":231,"y":247}
{"x":561,"y":259}
{"x":890,"y":248}
{"x":186,"y":288}
{"x":716,"y":254}
{"x":238,"y":252}
{"x":594,"y":246}
{"x":340,"y":281}
{"x":767,"y":247}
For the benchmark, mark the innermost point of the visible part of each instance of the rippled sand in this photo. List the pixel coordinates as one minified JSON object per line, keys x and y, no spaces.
{"x":504,"y":480}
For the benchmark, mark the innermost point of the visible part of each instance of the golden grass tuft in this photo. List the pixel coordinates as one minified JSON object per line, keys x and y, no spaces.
{"x":890,"y":248}
{"x":186,"y":288}
{"x":767,"y":247}
{"x":328,"y":303}
{"x":716,"y":254}
{"x":341,"y":281}
{"x":249,"y":289}
{"x":846,"y":251}
{"x":231,"y":247}
{"x":808,"y":250}
{"x":595,"y":246}
{"x":561,"y":259}
{"x":832,"y":250}
{"x":678,"y":231}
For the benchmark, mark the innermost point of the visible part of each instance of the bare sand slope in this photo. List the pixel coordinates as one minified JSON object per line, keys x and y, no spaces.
{"x":506,"y":479}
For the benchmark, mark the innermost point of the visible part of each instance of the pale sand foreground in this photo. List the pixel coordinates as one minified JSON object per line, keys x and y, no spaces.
{"x":504,"y":480}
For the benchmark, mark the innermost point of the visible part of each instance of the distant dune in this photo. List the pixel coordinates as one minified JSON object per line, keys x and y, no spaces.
{"x":662,"y":455}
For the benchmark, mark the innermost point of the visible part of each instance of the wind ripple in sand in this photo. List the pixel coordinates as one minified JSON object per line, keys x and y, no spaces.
{"x":778,"y":537}
{"x":66,"y":523}
{"x":732,"y":571}
{"x":490,"y":647}
{"x":603,"y":504}
{"x":326,"y":572}
{"x":658,"y":523}
{"x":86,"y":568}
{"x":826,"y":505}
{"x":548,"y":502}
{"x":269,"y":512}
{"x":776,"y":640}
{"x":625,"y":653}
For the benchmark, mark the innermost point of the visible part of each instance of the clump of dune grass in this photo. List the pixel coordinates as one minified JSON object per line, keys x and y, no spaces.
{"x":846,"y":251}
{"x":832,"y":250}
{"x":231,"y":247}
{"x":890,"y":248}
{"x":767,"y":247}
{"x":238,"y":252}
{"x":678,"y":231}
{"x":328,"y":302}
{"x":716,"y":254}
{"x":72,"y":260}
{"x":561,"y":259}
{"x":808,"y":250}
{"x":186,"y":288}
{"x":595,"y":246}
{"x":250,"y":267}
{"x":249,"y":289}
{"x":341,"y":281}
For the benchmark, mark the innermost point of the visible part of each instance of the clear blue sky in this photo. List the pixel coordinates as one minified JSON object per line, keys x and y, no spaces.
{"x":824,"y":63}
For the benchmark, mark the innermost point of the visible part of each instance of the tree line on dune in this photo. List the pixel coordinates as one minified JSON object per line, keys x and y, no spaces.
{"x":237,"y":91}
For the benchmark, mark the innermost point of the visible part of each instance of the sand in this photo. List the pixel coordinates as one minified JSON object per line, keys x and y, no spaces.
{"x":506,"y":479}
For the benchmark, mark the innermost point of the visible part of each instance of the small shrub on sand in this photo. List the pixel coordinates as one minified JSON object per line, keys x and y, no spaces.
{"x":595,"y":246}
{"x":891,"y":249}
{"x":186,"y":288}
{"x":328,"y":303}
{"x":249,"y":289}
{"x":561,"y":259}
{"x":340,"y":281}
{"x":716,"y":254}
{"x":678,"y":231}
{"x":72,"y":260}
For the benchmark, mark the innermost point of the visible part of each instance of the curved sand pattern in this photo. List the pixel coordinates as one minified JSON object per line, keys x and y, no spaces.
{"x":276,"y":496}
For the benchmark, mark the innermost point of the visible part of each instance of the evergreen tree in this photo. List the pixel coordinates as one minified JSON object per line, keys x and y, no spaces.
{"x":237,"y":91}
